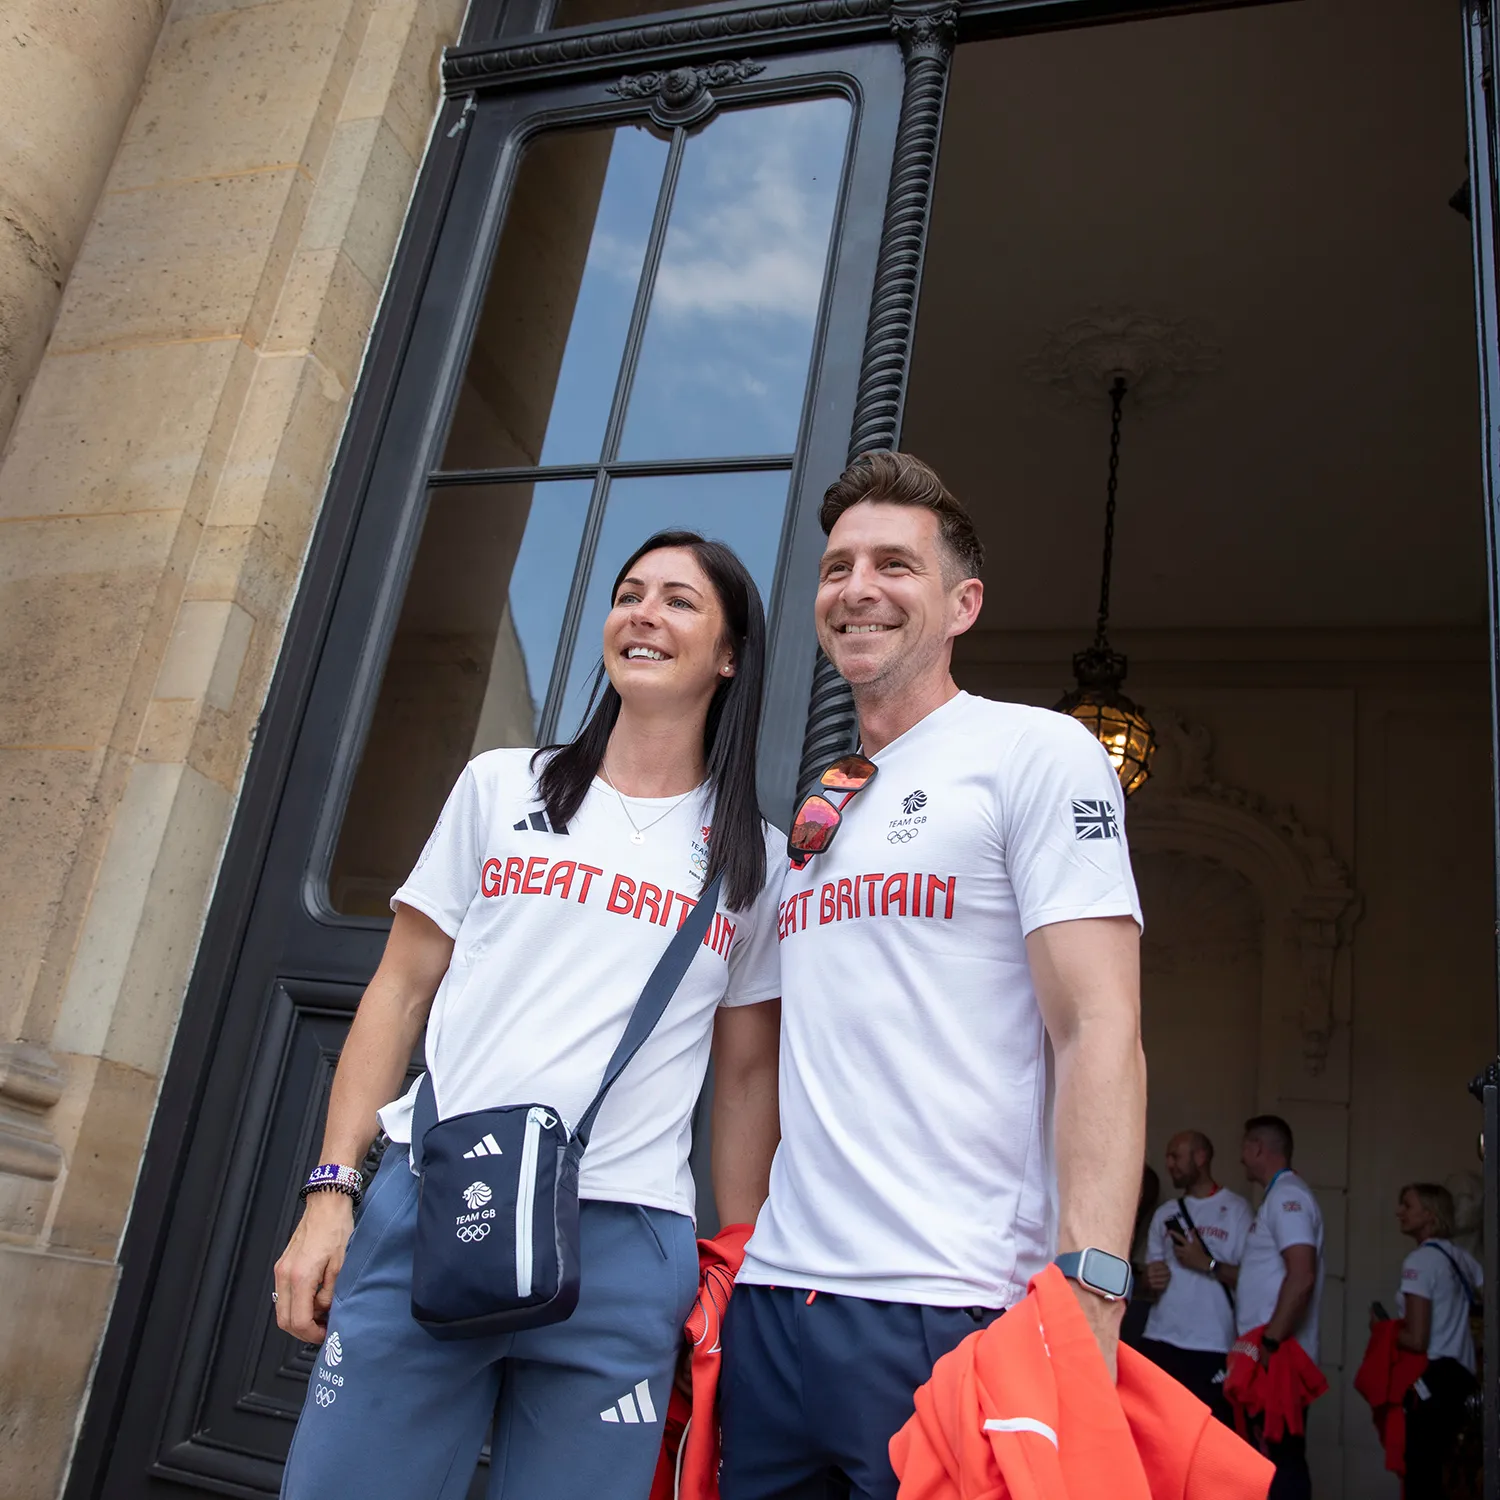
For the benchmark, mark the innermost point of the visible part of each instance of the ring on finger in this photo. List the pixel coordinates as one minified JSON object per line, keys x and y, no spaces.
{"x":274,"y":1297}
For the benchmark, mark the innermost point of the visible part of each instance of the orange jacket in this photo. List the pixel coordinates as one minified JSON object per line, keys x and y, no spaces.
{"x":1025,"y":1410}
{"x":689,"y":1462}
{"x":1386,"y":1373}
{"x":1279,"y":1388}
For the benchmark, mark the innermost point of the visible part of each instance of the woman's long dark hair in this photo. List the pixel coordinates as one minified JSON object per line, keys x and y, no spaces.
{"x":738,"y":845}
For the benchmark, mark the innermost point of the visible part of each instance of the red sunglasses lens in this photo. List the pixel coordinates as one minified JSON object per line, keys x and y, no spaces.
{"x":814,"y":826}
{"x":848,"y":774}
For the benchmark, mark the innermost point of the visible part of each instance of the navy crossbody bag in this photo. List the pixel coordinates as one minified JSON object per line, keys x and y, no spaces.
{"x":497,"y":1213}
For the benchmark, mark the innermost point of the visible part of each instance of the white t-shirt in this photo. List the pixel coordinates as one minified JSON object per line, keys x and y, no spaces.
{"x":1288,"y":1215}
{"x":915,"y":1162}
{"x":1427,"y":1272}
{"x":1195,"y":1312}
{"x":554,"y":937}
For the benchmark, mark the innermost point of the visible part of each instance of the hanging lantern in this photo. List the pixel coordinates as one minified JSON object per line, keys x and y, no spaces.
{"x":1097,"y":702}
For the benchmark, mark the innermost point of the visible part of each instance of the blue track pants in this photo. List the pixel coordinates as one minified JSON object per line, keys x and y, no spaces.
{"x":812,"y":1392}
{"x":395,"y":1414}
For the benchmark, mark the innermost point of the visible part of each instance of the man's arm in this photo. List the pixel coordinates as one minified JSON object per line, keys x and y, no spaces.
{"x":746,"y":1122}
{"x":1192,"y":1254}
{"x":371,"y":1067}
{"x":1296,"y":1292}
{"x":1087,"y":979}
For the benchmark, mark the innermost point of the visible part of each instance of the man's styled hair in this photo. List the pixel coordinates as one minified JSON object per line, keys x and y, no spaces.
{"x":1438,"y":1201}
{"x":1272,"y":1131}
{"x":900,"y":479}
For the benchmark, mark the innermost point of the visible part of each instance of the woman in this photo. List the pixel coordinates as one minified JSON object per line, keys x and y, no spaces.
{"x":1439,"y":1284}
{"x":547,"y":892}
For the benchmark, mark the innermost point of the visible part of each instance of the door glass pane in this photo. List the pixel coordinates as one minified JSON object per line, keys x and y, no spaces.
{"x":742,"y":510}
{"x":468,"y":668}
{"x":724,"y":360}
{"x":546,"y":354}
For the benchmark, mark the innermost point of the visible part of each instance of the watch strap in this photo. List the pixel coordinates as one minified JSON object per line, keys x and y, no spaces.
{"x":1081,"y":1265}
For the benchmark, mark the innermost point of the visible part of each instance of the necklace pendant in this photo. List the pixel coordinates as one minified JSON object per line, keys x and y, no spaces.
{"x":637,"y":837}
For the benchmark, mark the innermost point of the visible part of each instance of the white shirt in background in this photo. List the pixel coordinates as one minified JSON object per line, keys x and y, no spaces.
{"x":1195,"y":1311}
{"x":1427,"y":1272}
{"x":1288,"y":1215}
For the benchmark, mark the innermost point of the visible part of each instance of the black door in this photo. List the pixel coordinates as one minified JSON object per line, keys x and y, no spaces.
{"x":1484,"y":211}
{"x":627,"y":298}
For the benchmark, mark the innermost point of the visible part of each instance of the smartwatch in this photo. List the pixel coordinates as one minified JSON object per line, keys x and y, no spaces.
{"x":1103,"y":1274}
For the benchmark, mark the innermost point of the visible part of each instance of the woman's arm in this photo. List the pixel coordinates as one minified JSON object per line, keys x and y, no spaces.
{"x":746,"y":1119}
{"x":1416,"y":1327}
{"x":371,"y":1068}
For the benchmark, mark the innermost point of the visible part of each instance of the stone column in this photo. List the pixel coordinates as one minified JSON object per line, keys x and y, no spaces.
{"x":69,"y":75}
{"x":156,"y":499}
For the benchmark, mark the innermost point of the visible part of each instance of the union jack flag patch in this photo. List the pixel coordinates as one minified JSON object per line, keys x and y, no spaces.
{"x":1094,"y":820}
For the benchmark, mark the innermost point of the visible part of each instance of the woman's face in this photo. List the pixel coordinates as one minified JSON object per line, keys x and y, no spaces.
{"x":665,"y":642}
{"x":1411,"y":1217}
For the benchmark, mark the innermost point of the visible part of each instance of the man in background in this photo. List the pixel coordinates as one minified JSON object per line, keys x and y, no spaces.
{"x":1193,"y":1250}
{"x":1280,"y":1282}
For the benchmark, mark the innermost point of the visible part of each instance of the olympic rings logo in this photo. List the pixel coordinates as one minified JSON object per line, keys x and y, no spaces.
{"x":324,"y":1396}
{"x":471,"y":1234}
{"x":902,"y":835}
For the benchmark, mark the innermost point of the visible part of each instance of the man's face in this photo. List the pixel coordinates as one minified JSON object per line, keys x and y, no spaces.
{"x":1182,"y":1163}
{"x":1252,"y":1150}
{"x":884,"y":614}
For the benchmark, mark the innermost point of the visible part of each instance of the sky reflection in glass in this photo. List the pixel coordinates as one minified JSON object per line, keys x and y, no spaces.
{"x":742,"y":510}
{"x":723,"y":364}
{"x":606,"y":296}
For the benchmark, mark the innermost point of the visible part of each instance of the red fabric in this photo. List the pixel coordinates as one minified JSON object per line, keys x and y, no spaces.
{"x":1278,"y":1389}
{"x":1038,"y":1370}
{"x":1386,"y":1373}
{"x":696,"y":1477}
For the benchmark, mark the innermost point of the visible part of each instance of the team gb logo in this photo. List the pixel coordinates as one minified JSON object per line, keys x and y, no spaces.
{"x":477,"y":1194}
{"x":913,"y":802}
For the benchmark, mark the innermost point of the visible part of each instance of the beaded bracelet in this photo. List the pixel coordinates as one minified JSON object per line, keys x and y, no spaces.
{"x":332,"y":1178}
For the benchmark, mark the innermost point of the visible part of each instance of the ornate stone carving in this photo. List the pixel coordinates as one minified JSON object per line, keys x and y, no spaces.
{"x":680,"y":96}
{"x":926,"y":36}
{"x":1157,"y":355}
{"x":31,"y":1082}
{"x":490,"y":66}
{"x":1306,"y":892}
{"x":925,"y":32}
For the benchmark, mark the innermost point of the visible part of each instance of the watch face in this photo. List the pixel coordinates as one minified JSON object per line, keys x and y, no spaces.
{"x":1105,"y":1273}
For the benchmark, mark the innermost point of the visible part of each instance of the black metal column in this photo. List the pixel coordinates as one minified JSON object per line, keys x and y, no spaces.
{"x":926,"y":34}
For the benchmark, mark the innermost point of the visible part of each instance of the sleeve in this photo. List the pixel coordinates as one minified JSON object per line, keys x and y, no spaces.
{"x":755,"y":960}
{"x":1062,"y":822}
{"x":1290,"y":1220}
{"x":1417,"y":1275}
{"x":1156,"y":1235}
{"x":446,"y":877}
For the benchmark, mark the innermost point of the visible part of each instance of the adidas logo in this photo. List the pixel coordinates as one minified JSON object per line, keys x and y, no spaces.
{"x":537,"y":823}
{"x":631,"y":1408}
{"x":489,"y":1146}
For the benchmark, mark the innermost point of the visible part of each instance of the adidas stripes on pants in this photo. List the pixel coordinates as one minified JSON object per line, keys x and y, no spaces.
{"x":393,"y":1413}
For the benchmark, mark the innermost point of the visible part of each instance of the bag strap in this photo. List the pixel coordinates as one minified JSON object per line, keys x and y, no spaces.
{"x":1463,"y":1280}
{"x":649,"y":1009}
{"x":655,"y":998}
{"x":1182,"y":1204}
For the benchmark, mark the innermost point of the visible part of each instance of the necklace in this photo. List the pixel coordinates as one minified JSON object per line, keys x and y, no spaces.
{"x":637,"y":830}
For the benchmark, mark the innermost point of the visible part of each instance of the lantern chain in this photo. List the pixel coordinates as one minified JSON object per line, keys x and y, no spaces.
{"x":1116,"y":396}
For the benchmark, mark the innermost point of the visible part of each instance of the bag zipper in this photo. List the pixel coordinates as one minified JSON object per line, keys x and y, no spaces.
{"x":526,"y":1198}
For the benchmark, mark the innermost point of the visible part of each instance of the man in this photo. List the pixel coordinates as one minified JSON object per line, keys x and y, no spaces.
{"x":1193,"y":1247}
{"x":1280,"y":1281}
{"x":974,"y":904}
